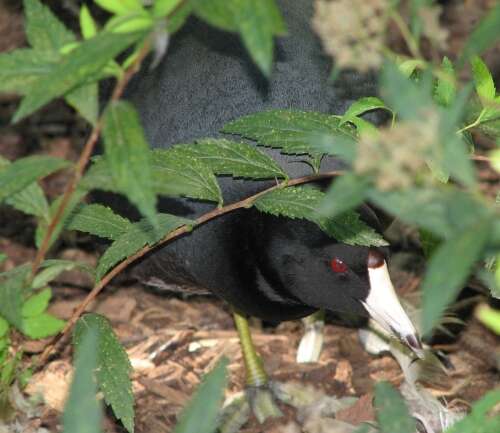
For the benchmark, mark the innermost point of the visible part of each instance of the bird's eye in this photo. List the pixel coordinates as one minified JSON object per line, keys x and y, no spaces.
{"x":338,"y":266}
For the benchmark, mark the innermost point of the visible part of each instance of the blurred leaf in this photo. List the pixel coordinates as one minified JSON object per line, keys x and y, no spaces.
{"x":290,"y":131}
{"x":98,"y":220}
{"x":408,"y":67}
{"x":82,"y":411}
{"x":429,"y":242}
{"x":487,"y":315}
{"x":203,"y":409}
{"x":128,"y":158}
{"x":478,"y":420}
{"x":42,"y":326}
{"x":343,"y":146}
{"x":346,"y":192}
{"x":88,"y":25}
{"x":446,"y":87}
{"x":113,"y":366}
{"x":392,"y":413}
{"x":177,"y":173}
{"x":161,"y":8}
{"x":362,"y":106}
{"x":4,"y":327}
{"x":236,"y":159}
{"x":131,"y":22}
{"x":140,"y":234}
{"x":51,"y":269}
{"x":74,"y":69}
{"x":218,"y":13}
{"x":120,"y":7}
{"x":484,"y":35}
{"x":84,"y":99}
{"x":448,"y":269}
{"x":12,"y":287}
{"x":16,"y":176}
{"x":36,"y":304}
{"x":302,"y":202}
{"x":485,"y":86}
{"x":177,"y":20}
{"x":43,"y":29}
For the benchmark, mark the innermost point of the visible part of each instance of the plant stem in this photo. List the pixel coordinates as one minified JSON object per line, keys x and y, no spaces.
{"x":245,"y":203}
{"x":84,"y":159}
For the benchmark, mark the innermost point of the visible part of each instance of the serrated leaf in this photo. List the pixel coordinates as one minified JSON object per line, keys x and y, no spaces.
{"x":235,"y":159}
{"x":19,"y":69}
{"x":161,"y":8}
{"x":36,"y":304}
{"x":485,"y":86}
{"x":177,"y":173}
{"x":74,"y":69}
{"x":128,"y":157}
{"x":12,"y":286}
{"x":98,"y":220}
{"x":288,"y":130}
{"x":24,"y":171}
{"x":82,"y":411}
{"x":120,"y":7}
{"x":113,"y":367}
{"x":43,"y":29}
{"x":303,"y":202}
{"x":42,"y":326}
{"x":392,"y":413}
{"x":446,"y":86}
{"x":203,"y":409}
{"x":363,"y":105}
{"x":84,"y":99}
{"x":140,"y":234}
{"x":448,"y":269}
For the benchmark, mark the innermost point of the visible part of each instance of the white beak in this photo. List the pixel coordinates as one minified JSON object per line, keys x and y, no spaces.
{"x":384,"y":307}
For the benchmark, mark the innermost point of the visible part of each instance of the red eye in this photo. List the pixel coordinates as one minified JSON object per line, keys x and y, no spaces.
{"x":338,"y":266}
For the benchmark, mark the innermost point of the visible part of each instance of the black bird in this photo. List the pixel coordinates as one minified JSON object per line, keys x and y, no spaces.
{"x":264,"y":266}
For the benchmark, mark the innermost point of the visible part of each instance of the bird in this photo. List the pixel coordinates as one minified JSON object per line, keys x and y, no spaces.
{"x":262,"y":265}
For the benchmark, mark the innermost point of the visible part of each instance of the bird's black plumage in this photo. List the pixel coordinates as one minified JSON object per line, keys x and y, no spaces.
{"x":266,"y":266}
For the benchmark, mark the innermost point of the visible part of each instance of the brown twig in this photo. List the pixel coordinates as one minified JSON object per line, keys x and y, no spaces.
{"x":84,"y":159}
{"x":249,"y":201}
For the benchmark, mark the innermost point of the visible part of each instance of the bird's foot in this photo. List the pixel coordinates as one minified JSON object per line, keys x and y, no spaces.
{"x":311,"y":343}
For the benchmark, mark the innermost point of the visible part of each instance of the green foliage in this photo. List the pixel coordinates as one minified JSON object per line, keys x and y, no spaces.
{"x":138,"y":235}
{"x":392,"y":413}
{"x":112,"y":367}
{"x":82,"y":411}
{"x":128,"y":158}
{"x":361,"y":106}
{"x":12,"y":287}
{"x":302,"y":202}
{"x":204,"y":407}
{"x":446,"y":86}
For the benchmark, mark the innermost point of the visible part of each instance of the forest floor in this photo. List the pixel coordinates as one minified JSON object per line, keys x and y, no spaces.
{"x":173,"y":341}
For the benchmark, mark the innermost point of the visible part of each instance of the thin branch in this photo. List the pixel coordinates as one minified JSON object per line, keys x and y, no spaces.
{"x":59,"y":340}
{"x":84,"y":159}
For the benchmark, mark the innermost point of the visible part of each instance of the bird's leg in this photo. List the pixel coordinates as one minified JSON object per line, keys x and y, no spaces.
{"x":259,"y":394}
{"x":311,"y":343}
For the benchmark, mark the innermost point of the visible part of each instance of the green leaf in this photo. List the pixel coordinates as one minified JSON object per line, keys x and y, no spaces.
{"x":12,"y":286}
{"x":113,"y":366}
{"x":484,"y":35}
{"x":4,"y":327}
{"x":19,"y":69}
{"x":217,"y":13}
{"x":485,"y":86}
{"x":74,"y":69}
{"x":446,"y":86}
{"x":408,"y":67}
{"x":236,"y":159}
{"x":37,"y":304}
{"x":82,"y":411}
{"x":42,"y":326}
{"x":140,"y":234}
{"x":178,"y":173}
{"x":289,"y":130}
{"x":392,"y":413}
{"x":84,"y":99}
{"x":487,"y":315}
{"x":203,"y":409}
{"x":43,"y":29}
{"x":303,"y":202}
{"x":478,"y":420}
{"x":132,"y":22}
{"x":448,"y":269}
{"x":120,"y":7}
{"x":98,"y":220}
{"x":88,"y":26}
{"x":177,"y":20}
{"x":128,"y":158}
{"x":51,"y":269}
{"x":363,"y":105}
{"x":345,"y":193}
{"x":161,"y":8}
{"x":17,"y":176}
